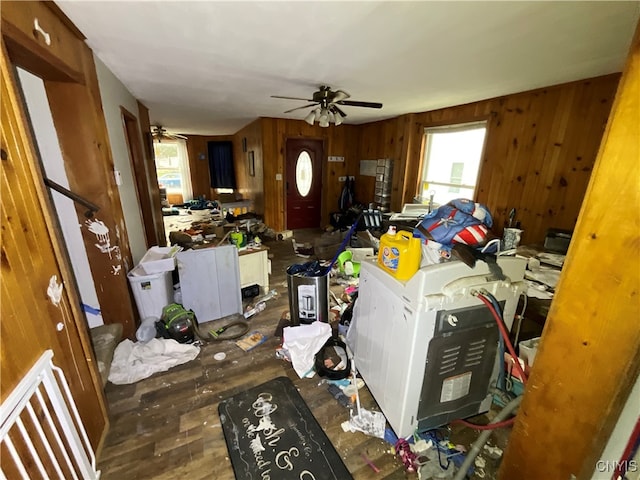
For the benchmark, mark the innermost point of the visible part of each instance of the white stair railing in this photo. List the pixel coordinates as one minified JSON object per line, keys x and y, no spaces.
{"x":42,"y":431}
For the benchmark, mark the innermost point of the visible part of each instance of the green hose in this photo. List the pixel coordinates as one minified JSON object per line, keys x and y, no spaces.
{"x":230,"y":331}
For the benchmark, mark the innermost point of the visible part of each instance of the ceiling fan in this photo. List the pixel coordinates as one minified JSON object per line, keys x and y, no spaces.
{"x":327,"y":101}
{"x":159,"y":133}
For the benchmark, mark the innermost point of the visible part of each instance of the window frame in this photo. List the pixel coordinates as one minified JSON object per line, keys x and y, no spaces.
{"x":449,"y":128}
{"x":306,"y":157}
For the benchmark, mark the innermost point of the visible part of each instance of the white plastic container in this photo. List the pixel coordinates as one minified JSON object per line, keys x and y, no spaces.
{"x":151,"y":292}
{"x":528,"y":350}
{"x":159,"y":259}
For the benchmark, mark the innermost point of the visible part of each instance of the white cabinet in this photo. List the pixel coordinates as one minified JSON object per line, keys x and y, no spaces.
{"x":210,"y":282}
{"x":254,"y":268}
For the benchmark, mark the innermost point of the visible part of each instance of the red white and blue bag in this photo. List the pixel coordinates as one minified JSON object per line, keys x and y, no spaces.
{"x":459,"y":221}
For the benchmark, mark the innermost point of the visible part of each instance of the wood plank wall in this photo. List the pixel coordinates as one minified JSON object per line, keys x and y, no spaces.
{"x":589,"y":355}
{"x":249,"y":139}
{"x":540,"y":149}
{"x":385,"y":139}
{"x":539,"y":153}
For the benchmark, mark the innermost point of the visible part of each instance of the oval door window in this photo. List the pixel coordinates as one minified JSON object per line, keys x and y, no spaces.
{"x":304,"y":174}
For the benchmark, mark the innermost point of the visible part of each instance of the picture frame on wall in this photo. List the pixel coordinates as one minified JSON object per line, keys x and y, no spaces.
{"x":252,"y":164}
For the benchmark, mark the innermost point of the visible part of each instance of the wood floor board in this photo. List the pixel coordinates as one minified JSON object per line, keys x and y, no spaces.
{"x":118,"y":459}
{"x":204,"y":416}
{"x":185,"y":437}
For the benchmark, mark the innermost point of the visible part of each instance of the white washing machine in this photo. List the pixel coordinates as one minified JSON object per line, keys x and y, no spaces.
{"x":427,"y":348}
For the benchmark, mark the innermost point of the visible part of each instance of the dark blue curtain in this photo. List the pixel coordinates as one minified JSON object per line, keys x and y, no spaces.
{"x":221,"y":165}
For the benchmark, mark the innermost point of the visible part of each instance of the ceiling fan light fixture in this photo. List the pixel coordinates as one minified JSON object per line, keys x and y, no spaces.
{"x":327,"y":101}
{"x":337,"y":118}
{"x":324,"y":118}
{"x":311,"y":117}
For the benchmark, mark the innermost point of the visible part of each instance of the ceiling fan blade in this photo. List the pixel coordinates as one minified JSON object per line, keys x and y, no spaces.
{"x":338,"y":110}
{"x":340,"y":95}
{"x":293,"y":98}
{"x":354,"y":103}
{"x":300,"y":108}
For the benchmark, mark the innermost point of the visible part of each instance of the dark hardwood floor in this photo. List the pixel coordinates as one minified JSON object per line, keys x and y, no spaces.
{"x":167,"y":426}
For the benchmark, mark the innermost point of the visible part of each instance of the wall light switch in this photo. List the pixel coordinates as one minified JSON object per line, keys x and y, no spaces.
{"x":278,"y":177}
{"x":342,"y":179}
{"x":118,"y":177}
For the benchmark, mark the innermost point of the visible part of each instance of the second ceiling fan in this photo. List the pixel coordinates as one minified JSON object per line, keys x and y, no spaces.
{"x":327,"y":101}
{"x":159,"y":133}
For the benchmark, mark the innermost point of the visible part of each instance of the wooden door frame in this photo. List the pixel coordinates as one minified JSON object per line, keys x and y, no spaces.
{"x":141,"y":179}
{"x":323,"y":141}
{"x":150,"y":162}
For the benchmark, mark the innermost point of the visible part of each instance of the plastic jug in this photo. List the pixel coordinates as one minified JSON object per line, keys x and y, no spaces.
{"x":238,"y":238}
{"x":400,"y":254}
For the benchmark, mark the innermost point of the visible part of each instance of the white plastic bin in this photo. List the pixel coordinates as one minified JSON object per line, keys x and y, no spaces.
{"x":159,"y":259}
{"x":151,"y":292}
{"x":528,"y":350}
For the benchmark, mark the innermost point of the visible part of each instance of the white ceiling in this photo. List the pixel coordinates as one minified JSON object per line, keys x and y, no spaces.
{"x":209,"y":68}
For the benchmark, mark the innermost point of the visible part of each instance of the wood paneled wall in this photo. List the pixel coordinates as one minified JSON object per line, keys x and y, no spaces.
{"x":266,"y":138}
{"x":385,"y":139}
{"x":589,"y":355}
{"x":539,"y":153}
{"x":338,"y":141}
{"x":249,"y":139}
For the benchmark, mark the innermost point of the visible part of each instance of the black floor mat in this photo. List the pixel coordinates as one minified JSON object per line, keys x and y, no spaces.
{"x":271,"y":433}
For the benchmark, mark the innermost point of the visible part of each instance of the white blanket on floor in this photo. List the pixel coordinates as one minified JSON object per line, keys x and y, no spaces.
{"x":134,"y":361}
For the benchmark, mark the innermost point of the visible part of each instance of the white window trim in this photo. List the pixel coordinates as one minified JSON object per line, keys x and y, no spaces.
{"x":458,"y":127}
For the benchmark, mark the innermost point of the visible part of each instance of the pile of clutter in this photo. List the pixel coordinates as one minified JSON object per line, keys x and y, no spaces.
{"x":207,"y":231}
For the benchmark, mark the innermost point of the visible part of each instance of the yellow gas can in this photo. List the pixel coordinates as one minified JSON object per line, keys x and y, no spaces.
{"x":400,"y":254}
